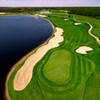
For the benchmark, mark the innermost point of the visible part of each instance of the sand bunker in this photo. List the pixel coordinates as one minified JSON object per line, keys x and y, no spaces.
{"x":43,"y":16}
{"x":83,"y":49}
{"x":2,"y":13}
{"x":40,"y":15}
{"x":66,"y":19}
{"x":77,"y":23}
{"x":24,"y":74}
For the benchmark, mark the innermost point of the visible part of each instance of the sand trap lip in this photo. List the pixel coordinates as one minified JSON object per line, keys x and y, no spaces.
{"x":77,"y":23}
{"x":24,"y":74}
{"x":83,"y":49}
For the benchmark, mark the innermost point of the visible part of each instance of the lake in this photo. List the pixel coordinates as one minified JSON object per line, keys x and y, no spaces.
{"x":18,"y":36}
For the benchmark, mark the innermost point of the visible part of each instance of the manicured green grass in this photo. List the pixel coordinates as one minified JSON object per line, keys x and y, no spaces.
{"x":63,"y":74}
{"x":93,"y":21}
{"x":57,"y":67}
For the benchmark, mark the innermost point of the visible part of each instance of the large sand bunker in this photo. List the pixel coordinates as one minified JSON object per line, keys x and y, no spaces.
{"x":24,"y":74}
{"x":83,"y":49}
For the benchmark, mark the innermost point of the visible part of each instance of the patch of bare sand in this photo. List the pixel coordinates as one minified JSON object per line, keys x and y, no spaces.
{"x":40,"y":15}
{"x":66,"y":19}
{"x":2,"y":13}
{"x":83,"y":49}
{"x":24,"y":74}
{"x":77,"y":23}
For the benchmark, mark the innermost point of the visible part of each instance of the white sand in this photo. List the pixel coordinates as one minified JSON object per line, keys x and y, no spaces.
{"x":83,"y":49}
{"x":77,"y":23}
{"x":40,"y":15}
{"x":66,"y":19}
{"x":2,"y":13}
{"x":43,"y":16}
{"x":24,"y":74}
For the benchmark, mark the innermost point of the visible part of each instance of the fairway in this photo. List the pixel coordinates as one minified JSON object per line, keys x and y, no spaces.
{"x":62,"y":73}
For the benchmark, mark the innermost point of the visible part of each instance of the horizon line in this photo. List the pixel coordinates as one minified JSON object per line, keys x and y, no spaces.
{"x":46,"y":6}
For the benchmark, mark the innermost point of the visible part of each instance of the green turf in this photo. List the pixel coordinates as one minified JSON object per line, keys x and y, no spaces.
{"x":57,"y":67}
{"x":63,"y":74}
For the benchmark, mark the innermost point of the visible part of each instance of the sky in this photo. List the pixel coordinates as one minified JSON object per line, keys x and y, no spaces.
{"x":48,"y":3}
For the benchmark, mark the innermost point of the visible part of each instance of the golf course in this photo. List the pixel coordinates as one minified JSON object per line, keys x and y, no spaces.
{"x":65,"y":67}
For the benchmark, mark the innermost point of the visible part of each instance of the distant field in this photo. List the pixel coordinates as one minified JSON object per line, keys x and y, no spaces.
{"x":63,"y":74}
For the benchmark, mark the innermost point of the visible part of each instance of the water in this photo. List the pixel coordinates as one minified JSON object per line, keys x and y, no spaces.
{"x":18,"y":36}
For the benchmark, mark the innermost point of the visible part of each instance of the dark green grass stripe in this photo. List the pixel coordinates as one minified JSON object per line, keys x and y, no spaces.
{"x":76,"y":79}
{"x":74,"y":35}
{"x":79,"y":38}
{"x":86,"y":66}
{"x":75,"y":73}
{"x":81,"y":34}
{"x":83,"y":66}
{"x":40,"y":89}
{"x":70,"y":85}
{"x":86,"y":62}
{"x":89,"y":68}
{"x":95,"y":57}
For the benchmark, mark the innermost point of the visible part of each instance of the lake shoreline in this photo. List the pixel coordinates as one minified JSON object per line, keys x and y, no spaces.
{"x":6,"y":94}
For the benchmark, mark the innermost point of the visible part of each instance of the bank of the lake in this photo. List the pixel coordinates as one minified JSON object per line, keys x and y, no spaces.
{"x":18,"y":36}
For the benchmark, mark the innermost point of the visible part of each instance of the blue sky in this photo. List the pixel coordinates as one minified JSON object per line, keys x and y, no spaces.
{"x":46,"y":3}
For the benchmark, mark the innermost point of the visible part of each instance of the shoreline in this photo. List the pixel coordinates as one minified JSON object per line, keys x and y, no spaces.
{"x":6,"y":93}
{"x":25,"y":73}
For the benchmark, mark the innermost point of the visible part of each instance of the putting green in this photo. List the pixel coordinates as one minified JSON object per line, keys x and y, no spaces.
{"x":56,"y":71}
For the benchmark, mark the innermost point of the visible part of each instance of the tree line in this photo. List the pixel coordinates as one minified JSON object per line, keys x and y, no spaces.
{"x":86,"y":11}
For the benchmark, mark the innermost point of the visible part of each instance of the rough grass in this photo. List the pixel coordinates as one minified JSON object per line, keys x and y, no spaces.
{"x":62,"y":74}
